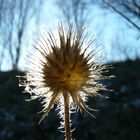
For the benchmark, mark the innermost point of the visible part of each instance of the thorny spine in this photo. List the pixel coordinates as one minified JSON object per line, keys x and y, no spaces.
{"x":64,"y":71}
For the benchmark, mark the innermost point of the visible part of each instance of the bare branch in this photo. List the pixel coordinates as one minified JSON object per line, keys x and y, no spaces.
{"x":74,"y":11}
{"x":14,"y":17}
{"x":120,"y":13}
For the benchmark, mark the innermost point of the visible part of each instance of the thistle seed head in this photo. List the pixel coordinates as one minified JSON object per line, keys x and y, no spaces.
{"x":64,"y":69}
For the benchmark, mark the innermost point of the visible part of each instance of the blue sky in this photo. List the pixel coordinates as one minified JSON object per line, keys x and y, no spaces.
{"x":109,"y":28}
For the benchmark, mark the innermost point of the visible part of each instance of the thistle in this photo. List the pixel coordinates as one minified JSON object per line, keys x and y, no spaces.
{"x":65,"y":72}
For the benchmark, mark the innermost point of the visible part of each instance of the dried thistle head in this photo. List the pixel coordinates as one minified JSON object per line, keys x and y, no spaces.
{"x":65,"y":72}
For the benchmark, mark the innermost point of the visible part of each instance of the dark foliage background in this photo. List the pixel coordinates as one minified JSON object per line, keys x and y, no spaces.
{"x":117,"y":119}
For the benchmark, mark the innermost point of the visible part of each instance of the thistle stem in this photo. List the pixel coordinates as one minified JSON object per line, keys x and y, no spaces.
{"x":67,"y":117}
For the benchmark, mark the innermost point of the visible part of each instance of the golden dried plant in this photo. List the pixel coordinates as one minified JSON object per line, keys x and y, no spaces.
{"x":64,"y":71}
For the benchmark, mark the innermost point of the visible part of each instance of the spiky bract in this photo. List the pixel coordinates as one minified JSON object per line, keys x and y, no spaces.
{"x":64,"y":69}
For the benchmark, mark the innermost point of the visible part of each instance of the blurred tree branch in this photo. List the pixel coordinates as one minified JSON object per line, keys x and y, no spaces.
{"x":130,"y":11}
{"x":74,"y":11}
{"x":128,"y":6}
{"x":14,"y":18}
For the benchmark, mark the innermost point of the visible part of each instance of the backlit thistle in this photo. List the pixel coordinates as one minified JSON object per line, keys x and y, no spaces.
{"x":64,"y":71}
